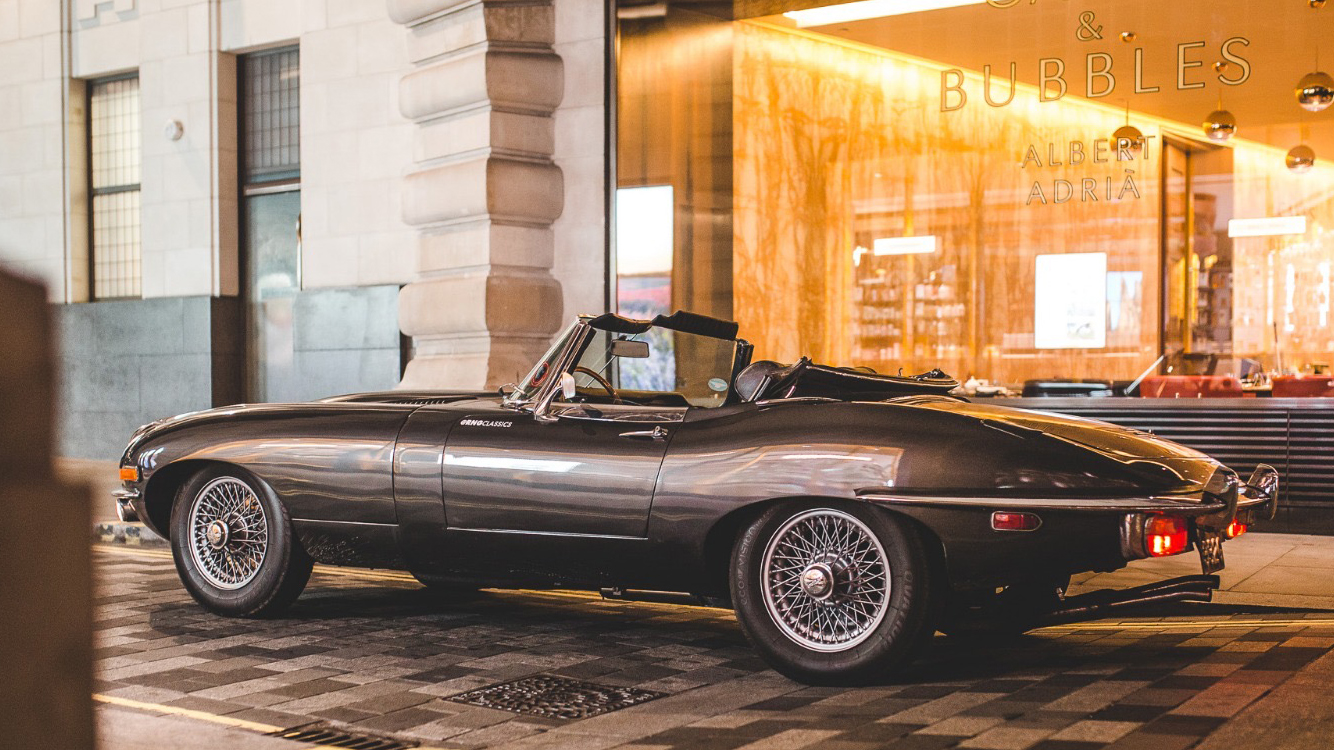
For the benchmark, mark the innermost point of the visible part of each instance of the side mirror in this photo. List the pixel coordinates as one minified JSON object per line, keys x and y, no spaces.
{"x":567,"y":386}
{"x":629,"y":349}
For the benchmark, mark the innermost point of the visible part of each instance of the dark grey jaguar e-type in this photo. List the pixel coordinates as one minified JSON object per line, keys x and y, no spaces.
{"x":845,"y":515}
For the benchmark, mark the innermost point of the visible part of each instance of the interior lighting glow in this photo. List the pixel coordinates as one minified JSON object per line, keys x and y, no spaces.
{"x":864,"y":9}
{"x":1272,"y":226}
{"x":905,"y":245}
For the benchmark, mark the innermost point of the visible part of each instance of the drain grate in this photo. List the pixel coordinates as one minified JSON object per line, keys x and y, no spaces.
{"x":328,"y":736}
{"x":555,"y":697}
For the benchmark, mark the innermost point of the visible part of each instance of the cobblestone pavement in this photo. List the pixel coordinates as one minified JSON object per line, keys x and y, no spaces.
{"x":376,"y":652}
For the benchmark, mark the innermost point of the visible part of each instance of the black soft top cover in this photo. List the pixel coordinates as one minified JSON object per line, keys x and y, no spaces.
{"x":806,"y":379}
{"x":683,"y":321}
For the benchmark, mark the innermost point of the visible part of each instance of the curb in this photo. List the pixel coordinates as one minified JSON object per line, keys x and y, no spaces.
{"x":128,"y":534}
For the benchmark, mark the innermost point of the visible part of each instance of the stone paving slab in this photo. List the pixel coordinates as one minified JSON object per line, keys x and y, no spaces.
{"x":381,"y":654}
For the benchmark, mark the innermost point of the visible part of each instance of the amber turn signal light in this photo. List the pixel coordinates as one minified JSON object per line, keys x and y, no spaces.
{"x":1005,"y":521}
{"x":129,"y":473}
{"x":1235,"y":529}
{"x":1166,"y":535}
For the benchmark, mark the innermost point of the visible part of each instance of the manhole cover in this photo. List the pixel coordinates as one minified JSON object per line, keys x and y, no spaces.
{"x":555,"y":697}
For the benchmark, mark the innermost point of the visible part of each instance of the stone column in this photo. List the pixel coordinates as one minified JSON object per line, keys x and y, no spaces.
{"x":483,"y":191}
{"x":46,"y":615}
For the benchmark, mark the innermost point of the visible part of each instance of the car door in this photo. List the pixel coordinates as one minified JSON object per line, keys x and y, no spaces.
{"x":590,"y":472}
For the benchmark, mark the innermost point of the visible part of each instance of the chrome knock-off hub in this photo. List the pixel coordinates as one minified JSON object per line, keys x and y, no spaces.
{"x":217,"y":534}
{"x":817,"y":581}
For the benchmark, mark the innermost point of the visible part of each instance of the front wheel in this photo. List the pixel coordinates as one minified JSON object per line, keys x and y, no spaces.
{"x":832,"y":595}
{"x":233,"y":545}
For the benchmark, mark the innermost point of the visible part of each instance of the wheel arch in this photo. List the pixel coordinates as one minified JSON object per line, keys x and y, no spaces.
{"x":160,"y":491}
{"x":722,"y":536}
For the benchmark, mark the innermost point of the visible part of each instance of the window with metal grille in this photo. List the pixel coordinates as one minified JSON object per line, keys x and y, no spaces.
{"x":113,"y":181}
{"x":270,"y":117}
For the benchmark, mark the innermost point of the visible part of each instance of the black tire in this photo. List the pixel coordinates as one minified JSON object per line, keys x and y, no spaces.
{"x":904,"y":628}
{"x":282,"y":572}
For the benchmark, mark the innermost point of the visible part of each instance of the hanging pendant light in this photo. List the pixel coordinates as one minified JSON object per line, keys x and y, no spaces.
{"x":1315,"y":91}
{"x":1220,"y":125}
{"x":1128,"y":136}
{"x":1300,"y":159}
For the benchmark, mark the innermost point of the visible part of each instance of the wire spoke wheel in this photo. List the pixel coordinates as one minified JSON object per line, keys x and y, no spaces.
{"x":228,"y":533}
{"x":825,"y":580}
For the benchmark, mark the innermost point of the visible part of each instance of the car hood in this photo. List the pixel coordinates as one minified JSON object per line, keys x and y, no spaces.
{"x":397,"y":400}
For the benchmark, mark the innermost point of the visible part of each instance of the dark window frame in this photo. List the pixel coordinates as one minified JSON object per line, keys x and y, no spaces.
{"x":95,"y":192}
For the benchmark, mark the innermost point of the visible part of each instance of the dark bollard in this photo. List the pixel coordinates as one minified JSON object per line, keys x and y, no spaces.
{"x":45,"y":573}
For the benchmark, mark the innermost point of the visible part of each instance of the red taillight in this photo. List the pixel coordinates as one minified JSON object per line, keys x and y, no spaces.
{"x":1006,"y":521}
{"x":1165,"y":535}
{"x":1235,"y":529}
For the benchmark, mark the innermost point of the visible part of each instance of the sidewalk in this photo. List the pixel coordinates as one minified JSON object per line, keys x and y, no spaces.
{"x":1270,"y":570}
{"x":1274,"y":570}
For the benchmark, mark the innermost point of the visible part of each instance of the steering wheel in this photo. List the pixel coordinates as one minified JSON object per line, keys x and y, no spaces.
{"x":606,"y":385}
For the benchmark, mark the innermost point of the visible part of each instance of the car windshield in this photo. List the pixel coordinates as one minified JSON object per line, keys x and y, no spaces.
{"x":677,"y":369}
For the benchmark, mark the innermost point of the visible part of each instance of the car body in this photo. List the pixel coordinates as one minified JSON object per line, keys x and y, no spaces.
{"x":581,"y":477}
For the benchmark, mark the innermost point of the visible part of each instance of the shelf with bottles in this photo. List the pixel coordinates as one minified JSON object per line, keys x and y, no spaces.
{"x":877,"y":295}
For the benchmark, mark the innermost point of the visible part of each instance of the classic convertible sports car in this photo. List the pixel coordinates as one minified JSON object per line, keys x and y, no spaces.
{"x":845,"y":515}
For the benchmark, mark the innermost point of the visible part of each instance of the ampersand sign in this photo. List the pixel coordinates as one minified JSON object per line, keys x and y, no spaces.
{"x":1087,"y":31}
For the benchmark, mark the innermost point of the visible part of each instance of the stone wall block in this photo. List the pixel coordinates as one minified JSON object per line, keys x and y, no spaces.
{"x":482,"y":129}
{"x":408,"y":12}
{"x":502,"y":301}
{"x":444,"y":305}
{"x":520,"y":23}
{"x":526,"y":303}
{"x":517,"y":81}
{"x":525,"y":190}
{"x":514,"y":189}
{"x":486,"y":241}
{"x":516,"y":25}
{"x":444,"y":86}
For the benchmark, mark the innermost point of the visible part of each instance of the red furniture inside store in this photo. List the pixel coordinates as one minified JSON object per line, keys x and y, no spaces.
{"x":1191,"y":386}
{"x":1303,"y":386}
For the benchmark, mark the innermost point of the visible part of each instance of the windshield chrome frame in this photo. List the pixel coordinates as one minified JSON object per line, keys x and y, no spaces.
{"x":539,"y":404}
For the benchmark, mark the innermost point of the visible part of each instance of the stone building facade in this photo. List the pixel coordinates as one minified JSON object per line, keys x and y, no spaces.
{"x":448,"y":192}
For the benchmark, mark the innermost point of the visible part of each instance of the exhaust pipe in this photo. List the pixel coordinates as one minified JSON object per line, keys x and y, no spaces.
{"x":1098,"y":604}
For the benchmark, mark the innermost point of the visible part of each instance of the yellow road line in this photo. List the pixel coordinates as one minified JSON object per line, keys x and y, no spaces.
{"x":190,"y":713}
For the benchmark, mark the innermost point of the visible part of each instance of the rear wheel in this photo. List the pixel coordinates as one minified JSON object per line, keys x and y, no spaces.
{"x":233,"y":545}
{"x":832,"y":595}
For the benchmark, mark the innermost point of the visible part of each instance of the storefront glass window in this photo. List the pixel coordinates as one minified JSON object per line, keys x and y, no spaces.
{"x":1006,"y":190}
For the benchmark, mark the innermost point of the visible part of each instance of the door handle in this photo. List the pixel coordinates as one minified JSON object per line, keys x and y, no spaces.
{"x":657,"y":433}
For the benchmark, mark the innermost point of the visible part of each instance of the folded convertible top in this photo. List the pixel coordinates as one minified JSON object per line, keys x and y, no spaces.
{"x":683,"y":321}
